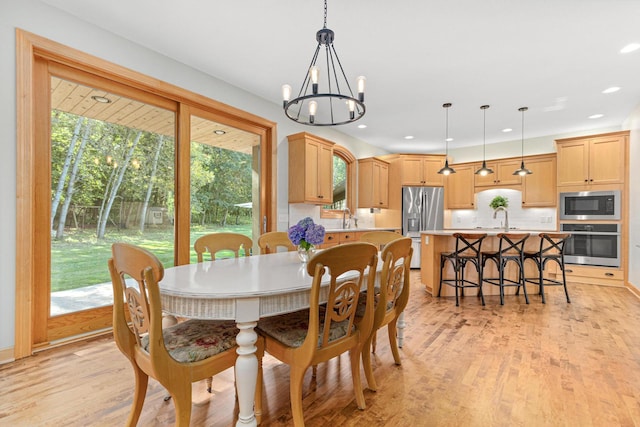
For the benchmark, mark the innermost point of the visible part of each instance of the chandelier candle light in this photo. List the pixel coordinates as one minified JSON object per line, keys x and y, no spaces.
{"x":337,"y":105}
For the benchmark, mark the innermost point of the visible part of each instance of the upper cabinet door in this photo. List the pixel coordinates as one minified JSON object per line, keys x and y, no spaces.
{"x":417,"y":170}
{"x":592,"y":160}
{"x":373,"y":183}
{"x":310,"y":169}
{"x":539,"y":188}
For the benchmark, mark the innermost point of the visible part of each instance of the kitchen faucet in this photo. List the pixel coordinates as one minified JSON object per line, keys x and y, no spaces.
{"x":346,"y":220}
{"x":506,"y":216}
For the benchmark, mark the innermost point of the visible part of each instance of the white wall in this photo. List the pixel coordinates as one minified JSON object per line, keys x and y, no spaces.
{"x":41,"y":19}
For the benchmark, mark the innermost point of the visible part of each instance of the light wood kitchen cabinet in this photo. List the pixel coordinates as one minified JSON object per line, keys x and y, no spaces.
{"x":310,"y":169}
{"x":539,"y":188}
{"x":418,"y":170}
{"x":597,"y":159}
{"x":458,"y":187}
{"x":373,"y":183}
{"x":502,"y":175}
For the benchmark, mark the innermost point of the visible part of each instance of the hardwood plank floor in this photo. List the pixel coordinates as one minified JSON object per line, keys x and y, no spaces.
{"x":557,"y":364}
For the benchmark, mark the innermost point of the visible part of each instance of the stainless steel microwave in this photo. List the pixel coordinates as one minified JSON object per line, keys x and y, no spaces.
{"x":590,"y":205}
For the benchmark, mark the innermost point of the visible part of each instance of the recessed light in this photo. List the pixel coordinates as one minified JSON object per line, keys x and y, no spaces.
{"x":596,"y":116}
{"x":408,"y":137}
{"x":219,"y":132}
{"x":505,"y":130}
{"x":611,"y":89}
{"x":102,"y":99}
{"x":630,"y":47}
{"x":449,"y":139}
{"x":362,"y":126}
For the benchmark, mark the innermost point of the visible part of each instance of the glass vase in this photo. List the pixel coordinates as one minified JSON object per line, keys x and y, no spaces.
{"x":306,"y":254}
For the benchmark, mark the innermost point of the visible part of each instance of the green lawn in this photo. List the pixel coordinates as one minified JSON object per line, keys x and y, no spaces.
{"x":81,"y":260}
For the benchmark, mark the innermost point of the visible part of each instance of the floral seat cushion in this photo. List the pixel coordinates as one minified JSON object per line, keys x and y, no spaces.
{"x":291,"y":329}
{"x":196,"y":340}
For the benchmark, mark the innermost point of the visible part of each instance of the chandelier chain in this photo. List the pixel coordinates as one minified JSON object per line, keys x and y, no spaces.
{"x":325,"y":14}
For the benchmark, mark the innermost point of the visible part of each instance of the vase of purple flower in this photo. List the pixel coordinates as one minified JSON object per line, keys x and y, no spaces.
{"x":306,"y":234}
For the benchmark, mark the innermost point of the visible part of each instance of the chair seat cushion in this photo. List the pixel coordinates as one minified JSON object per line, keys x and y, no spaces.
{"x":196,"y":340}
{"x":291,"y":329}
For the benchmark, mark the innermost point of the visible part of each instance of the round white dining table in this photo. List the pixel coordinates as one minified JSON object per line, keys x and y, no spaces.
{"x":243,"y":289}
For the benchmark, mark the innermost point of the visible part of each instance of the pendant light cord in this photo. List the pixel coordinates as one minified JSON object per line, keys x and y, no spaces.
{"x":325,"y":14}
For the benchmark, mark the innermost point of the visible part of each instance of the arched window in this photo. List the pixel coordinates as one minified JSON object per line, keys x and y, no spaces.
{"x":344,"y":184}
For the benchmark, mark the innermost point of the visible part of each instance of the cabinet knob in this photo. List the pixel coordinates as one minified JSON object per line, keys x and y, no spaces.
{"x":608,"y":274}
{"x":591,"y":179}
{"x":320,"y":197}
{"x":586,"y":180}
{"x":568,"y":271}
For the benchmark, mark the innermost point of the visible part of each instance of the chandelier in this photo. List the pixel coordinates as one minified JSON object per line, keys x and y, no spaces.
{"x":336,"y":104}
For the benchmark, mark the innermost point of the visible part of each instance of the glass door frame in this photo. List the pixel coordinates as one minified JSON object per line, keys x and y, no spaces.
{"x":34,"y":56}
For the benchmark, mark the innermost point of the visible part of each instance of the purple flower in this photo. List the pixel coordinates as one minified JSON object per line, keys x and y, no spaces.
{"x":315,"y":234}
{"x":296,"y":234}
{"x":305,"y":233}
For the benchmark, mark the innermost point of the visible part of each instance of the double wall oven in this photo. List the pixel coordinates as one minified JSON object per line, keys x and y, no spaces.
{"x":593,"y":242}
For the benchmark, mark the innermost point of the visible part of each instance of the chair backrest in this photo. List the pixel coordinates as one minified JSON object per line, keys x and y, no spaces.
{"x":216,"y":242}
{"x":135,"y":273}
{"x":271,"y":241}
{"x":552,"y":244}
{"x":469,"y":244}
{"x":394,"y":280}
{"x":512,"y":244}
{"x":350,"y":267}
{"x":379,"y":238}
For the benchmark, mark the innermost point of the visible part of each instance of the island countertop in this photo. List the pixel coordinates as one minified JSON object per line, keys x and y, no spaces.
{"x":488,"y":231}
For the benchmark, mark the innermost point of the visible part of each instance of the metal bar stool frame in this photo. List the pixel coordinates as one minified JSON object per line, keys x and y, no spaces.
{"x":551,"y":249}
{"x":510,"y":249}
{"x":468,"y":249}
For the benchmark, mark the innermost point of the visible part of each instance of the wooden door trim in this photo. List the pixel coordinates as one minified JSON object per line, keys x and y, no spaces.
{"x":29,"y":47}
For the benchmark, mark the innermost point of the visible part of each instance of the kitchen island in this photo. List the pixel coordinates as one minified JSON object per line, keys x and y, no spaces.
{"x":433,"y":242}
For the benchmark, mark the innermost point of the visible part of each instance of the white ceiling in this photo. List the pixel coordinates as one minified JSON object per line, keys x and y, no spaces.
{"x":553,"y":56}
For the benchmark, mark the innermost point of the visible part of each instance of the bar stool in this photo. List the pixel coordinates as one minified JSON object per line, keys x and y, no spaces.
{"x":468,"y":248}
{"x":510,"y":249}
{"x":551,"y":249}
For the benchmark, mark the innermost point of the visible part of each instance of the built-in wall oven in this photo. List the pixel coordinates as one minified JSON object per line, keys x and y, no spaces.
{"x":590,"y":205}
{"x":592,"y":244}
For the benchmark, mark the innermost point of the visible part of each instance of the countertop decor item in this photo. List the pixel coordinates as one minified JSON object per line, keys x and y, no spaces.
{"x":306,"y":234}
{"x":499,"y":202}
{"x":335,"y":104}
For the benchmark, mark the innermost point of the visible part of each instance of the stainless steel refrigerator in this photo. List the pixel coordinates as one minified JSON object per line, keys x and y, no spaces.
{"x":422,"y":209}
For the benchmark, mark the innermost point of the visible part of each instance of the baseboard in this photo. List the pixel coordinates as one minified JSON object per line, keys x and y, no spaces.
{"x":633,"y":289}
{"x":6,"y":355}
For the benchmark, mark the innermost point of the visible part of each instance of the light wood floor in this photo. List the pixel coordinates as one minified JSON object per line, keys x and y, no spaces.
{"x":557,"y":364}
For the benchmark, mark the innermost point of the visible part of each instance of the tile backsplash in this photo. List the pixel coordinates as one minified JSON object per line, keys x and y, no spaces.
{"x":297,"y":211}
{"x":519,"y":217}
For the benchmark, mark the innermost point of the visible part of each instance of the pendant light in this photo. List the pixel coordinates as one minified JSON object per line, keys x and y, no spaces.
{"x":522,"y":171}
{"x":446,"y":170}
{"x":335,"y":104}
{"x":484,"y":170}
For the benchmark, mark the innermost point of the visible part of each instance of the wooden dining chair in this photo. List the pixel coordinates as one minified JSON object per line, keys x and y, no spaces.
{"x":215,"y":242}
{"x":379,"y":237}
{"x":271,"y":241}
{"x":391,"y":300}
{"x":324,"y":331}
{"x":176,"y":356}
